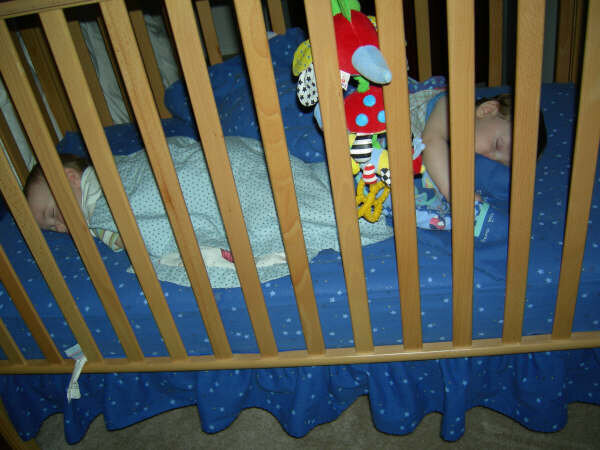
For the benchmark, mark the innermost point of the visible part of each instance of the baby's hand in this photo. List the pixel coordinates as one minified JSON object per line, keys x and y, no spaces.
{"x":478,"y":197}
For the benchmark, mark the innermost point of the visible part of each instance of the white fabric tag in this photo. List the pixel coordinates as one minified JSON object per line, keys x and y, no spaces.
{"x":75,"y":353}
{"x":345,"y":78}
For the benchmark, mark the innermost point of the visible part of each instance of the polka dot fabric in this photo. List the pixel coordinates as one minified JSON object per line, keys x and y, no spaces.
{"x":531,"y":388}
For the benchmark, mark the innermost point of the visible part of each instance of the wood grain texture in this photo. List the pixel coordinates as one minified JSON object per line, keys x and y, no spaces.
{"x":209,"y":125}
{"x":528,"y":79}
{"x":423,"y":39}
{"x":585,"y":158}
{"x":16,"y":80}
{"x":262,"y":78}
{"x":461,"y":54}
{"x":320,"y":26}
{"x":390,"y":21}
{"x":20,"y":299}
{"x":209,"y":33}
{"x":496,"y":15}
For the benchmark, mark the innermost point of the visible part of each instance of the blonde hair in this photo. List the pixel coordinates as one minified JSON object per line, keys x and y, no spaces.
{"x":68,"y":161}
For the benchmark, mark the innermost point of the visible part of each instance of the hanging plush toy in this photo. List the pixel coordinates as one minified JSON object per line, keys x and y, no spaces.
{"x":359,"y":59}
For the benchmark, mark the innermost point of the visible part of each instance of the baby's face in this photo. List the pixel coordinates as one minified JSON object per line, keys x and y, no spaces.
{"x":493,"y":136}
{"x":44,"y":207}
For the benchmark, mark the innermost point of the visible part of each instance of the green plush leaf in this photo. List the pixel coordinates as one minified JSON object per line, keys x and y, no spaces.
{"x":363,"y":83}
{"x":344,"y":7}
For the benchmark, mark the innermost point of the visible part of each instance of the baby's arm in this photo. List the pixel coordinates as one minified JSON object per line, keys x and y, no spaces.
{"x":436,"y":154}
{"x":110,"y":238}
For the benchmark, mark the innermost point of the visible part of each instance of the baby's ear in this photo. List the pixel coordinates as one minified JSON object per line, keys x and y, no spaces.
{"x":74,"y":176}
{"x":489,"y":108}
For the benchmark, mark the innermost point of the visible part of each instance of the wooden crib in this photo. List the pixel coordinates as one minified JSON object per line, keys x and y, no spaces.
{"x":77,"y":103}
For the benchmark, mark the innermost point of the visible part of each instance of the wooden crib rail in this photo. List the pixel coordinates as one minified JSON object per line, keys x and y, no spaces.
{"x":391,"y":31}
{"x":320,"y":27}
{"x":181,"y":20}
{"x":461,"y":82}
{"x":264,"y":90}
{"x":530,"y":36}
{"x":585,"y":159}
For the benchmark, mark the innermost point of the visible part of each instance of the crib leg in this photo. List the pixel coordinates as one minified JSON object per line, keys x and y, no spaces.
{"x":10,"y":435}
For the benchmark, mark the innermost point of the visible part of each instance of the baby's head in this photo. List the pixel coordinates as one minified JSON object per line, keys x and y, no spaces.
{"x":40,"y":199}
{"x":493,"y":128}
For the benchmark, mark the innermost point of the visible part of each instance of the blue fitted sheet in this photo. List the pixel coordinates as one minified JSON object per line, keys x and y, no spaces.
{"x":301,"y":398}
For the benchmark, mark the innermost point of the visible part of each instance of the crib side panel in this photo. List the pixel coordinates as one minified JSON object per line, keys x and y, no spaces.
{"x":129,"y":62}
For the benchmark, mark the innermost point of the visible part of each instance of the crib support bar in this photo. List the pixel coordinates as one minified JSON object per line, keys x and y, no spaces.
{"x":390,"y":19}
{"x":258,"y":60}
{"x":530,"y":35}
{"x":582,"y":179}
{"x":320,"y":26}
{"x":461,"y":54}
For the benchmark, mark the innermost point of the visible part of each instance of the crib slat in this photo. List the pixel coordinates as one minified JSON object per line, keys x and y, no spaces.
{"x":46,"y":71}
{"x":130,"y":63}
{"x":16,"y":158}
{"x":530,"y":35}
{"x":37,"y":244}
{"x":461,"y":54}
{"x":72,"y":73}
{"x":390,"y":21}
{"x":90,"y":73}
{"x":21,"y":300}
{"x":143,"y":39}
{"x":111,"y":56}
{"x":582,"y":178}
{"x":10,"y":347}
{"x":36,"y":92}
{"x":258,"y":60}
{"x":108,"y":175}
{"x":205,"y":111}
{"x":320,"y":26}
{"x":208,"y":32}
{"x":496,"y":14}
{"x":276,"y":16}
{"x":423,"y":39}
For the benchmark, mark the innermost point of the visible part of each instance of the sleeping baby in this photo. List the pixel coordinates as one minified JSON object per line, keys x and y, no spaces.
{"x":311,"y":182}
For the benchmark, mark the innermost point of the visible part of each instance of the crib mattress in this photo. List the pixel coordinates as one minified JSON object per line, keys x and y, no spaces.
{"x":551,"y":188}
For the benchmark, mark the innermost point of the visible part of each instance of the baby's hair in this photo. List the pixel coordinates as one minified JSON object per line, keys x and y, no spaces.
{"x":68,"y":161}
{"x":505,"y":110}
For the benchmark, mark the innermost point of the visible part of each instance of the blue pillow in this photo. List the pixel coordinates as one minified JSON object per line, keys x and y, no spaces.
{"x":233,"y":96}
{"x":492,"y":179}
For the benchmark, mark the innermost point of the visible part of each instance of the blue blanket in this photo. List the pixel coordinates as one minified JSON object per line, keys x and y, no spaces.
{"x":249,"y":169}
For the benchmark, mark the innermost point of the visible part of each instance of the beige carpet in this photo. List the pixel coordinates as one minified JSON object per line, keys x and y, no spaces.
{"x":257,"y":429}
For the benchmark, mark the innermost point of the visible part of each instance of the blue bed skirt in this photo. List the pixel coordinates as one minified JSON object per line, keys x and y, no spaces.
{"x":534,"y":389}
